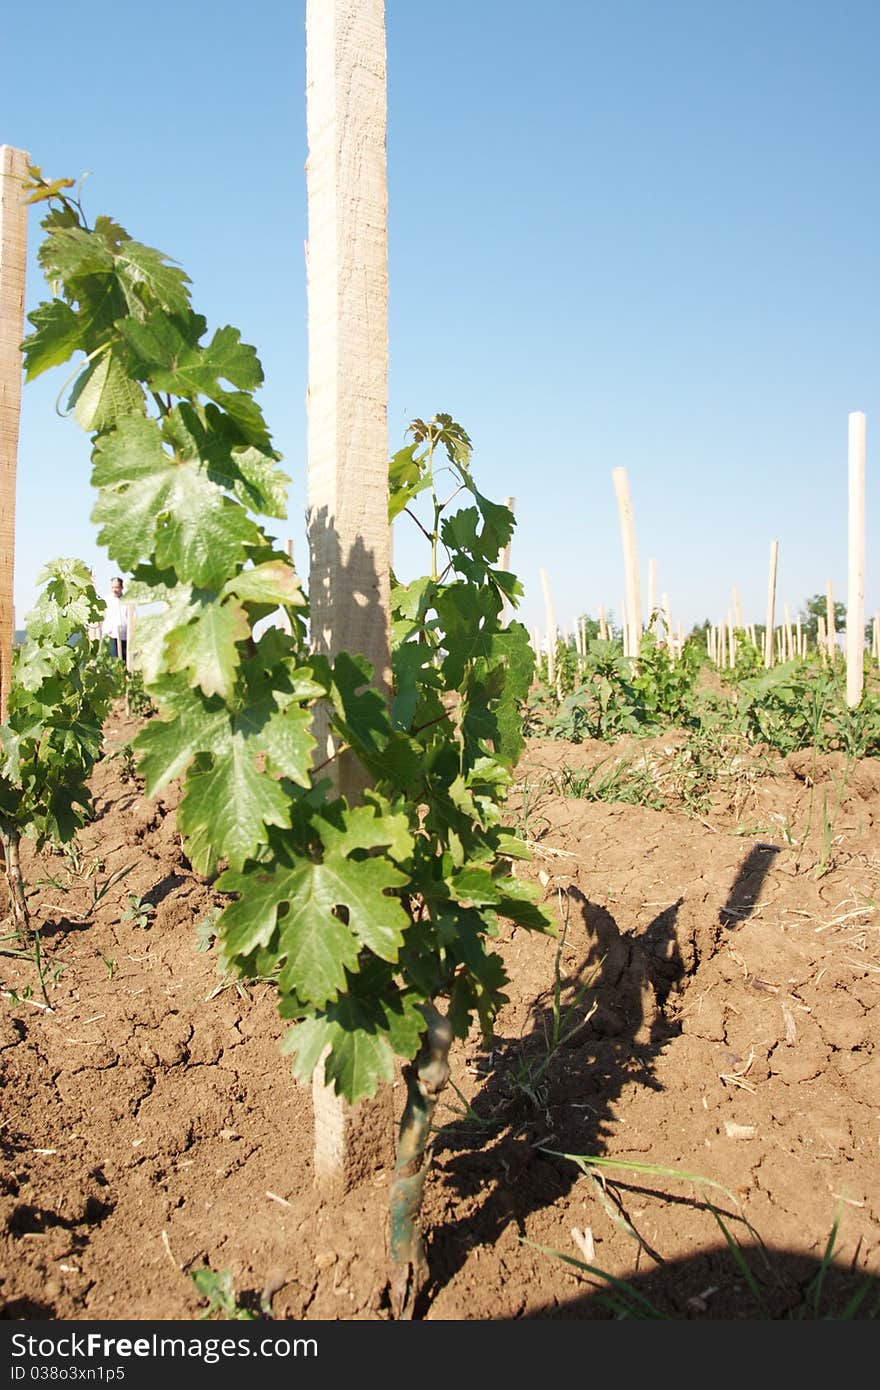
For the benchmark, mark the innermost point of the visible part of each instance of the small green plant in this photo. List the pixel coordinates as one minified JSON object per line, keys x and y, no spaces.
{"x":207,"y":929}
{"x":216,"y":1287}
{"x":138,"y":701}
{"x":139,"y":912}
{"x":127,"y":763}
{"x":529,"y":1076}
{"x":624,"y":780}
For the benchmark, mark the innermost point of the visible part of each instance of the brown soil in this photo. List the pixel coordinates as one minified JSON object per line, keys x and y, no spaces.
{"x":719,"y":1010}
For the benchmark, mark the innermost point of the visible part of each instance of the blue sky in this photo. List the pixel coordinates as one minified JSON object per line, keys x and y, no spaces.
{"x":624,"y":234}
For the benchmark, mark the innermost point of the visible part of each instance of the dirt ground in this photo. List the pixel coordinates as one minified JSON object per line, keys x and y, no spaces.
{"x":711,"y":1006}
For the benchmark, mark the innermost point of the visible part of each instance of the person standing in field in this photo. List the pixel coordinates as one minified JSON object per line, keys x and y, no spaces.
{"x":116,"y":620}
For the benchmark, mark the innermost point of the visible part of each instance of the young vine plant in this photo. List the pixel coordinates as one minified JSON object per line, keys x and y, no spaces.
{"x":61,"y":692}
{"x":374,"y":920}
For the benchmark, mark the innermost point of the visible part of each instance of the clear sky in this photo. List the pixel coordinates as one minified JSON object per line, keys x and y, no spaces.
{"x":635,"y":233}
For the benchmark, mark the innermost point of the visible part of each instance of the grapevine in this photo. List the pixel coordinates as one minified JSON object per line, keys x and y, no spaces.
{"x":374,"y":920}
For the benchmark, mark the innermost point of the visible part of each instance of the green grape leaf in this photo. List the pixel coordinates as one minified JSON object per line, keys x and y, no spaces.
{"x":170,"y":357}
{"x":273,"y":582}
{"x":54,"y":340}
{"x":288,"y":743}
{"x":104,"y":394}
{"x":146,"y":269}
{"x":206,"y":647}
{"x":227,"y":808}
{"x":363,"y":1035}
{"x":71,"y":253}
{"x":313,"y":943}
{"x":149,"y":500}
{"x":167,"y":747}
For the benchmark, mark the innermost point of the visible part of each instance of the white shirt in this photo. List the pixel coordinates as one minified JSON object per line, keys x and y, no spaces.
{"x":116,"y":618}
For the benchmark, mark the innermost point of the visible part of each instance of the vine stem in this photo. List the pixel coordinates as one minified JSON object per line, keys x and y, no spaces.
{"x":425,"y":1077}
{"x":9,"y":840}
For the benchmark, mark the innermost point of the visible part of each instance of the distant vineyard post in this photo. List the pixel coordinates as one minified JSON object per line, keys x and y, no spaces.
{"x":349,"y":531}
{"x":13,"y":245}
{"x":771,"y":604}
{"x":855,"y":595}
{"x":633,"y":624}
{"x":551,"y":628}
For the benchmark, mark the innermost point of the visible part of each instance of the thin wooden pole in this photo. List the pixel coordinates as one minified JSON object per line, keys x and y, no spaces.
{"x":830,"y":620}
{"x":876,"y":636}
{"x":771,"y":604}
{"x":603,"y":625}
{"x":504,"y":564}
{"x":13,"y":251}
{"x":855,"y":593}
{"x":667,"y":619}
{"x":630,"y":559}
{"x":551,"y":627}
{"x":822,"y":638}
{"x":737,"y":609}
{"x":347,"y":512}
{"x":652,"y":592}
{"x":788,"y":642}
{"x":504,"y":558}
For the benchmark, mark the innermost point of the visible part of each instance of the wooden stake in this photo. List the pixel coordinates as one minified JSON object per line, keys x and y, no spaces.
{"x":788,"y":641}
{"x":603,"y":626}
{"x":771,"y":604}
{"x":667,"y":620}
{"x":504,"y":564}
{"x":13,"y":249}
{"x":652,"y":592}
{"x":630,"y":560}
{"x":551,"y":627}
{"x":855,"y":593}
{"x":349,"y":535}
{"x":830,"y":620}
{"x":876,"y":636}
{"x":822,"y":638}
{"x":801,"y":636}
{"x":504,"y":558}
{"x":737,"y":609}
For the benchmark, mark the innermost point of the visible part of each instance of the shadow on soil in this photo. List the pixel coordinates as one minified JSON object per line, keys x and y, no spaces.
{"x":781,"y":1285}
{"x":550,"y":1093}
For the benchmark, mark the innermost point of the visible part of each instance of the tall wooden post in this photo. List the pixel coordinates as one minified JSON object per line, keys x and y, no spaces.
{"x":737,"y":608}
{"x":771,"y":604}
{"x":347,"y":513}
{"x":13,"y":243}
{"x":652,"y":592}
{"x":504,"y":563}
{"x":551,"y":627}
{"x":855,"y":592}
{"x":830,"y":621}
{"x":630,"y":560}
